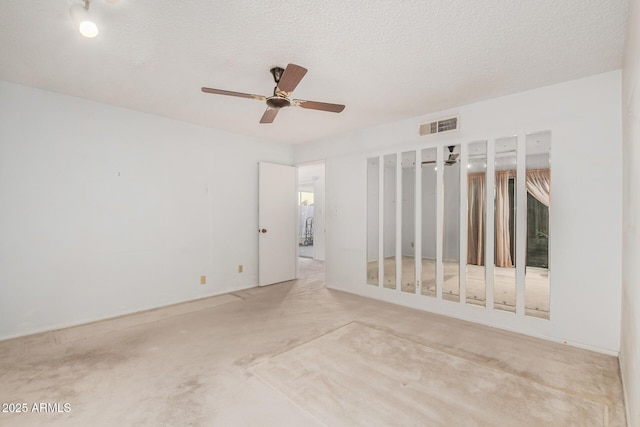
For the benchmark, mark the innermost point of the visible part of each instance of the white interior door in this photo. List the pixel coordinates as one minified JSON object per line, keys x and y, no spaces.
{"x":277,"y":212}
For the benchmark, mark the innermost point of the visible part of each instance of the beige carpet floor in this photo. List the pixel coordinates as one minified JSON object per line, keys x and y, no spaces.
{"x":395,"y":381}
{"x":299,"y":354}
{"x":536,"y":284}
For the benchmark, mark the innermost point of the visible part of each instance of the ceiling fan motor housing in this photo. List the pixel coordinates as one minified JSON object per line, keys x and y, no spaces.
{"x":278,"y":102}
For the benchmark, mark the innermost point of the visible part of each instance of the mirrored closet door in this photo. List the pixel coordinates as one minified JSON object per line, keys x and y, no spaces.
{"x":538,"y":204}
{"x":464,"y":223}
{"x":373,"y":207}
{"x":451,"y":224}
{"x":476,"y":178}
{"x":389,"y":220}
{"x":505,"y":201}
{"x":428,"y":219}
{"x":408,"y":237}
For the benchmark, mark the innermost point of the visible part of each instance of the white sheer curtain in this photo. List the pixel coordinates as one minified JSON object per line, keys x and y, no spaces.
{"x":539,"y":184}
{"x":476,"y":197}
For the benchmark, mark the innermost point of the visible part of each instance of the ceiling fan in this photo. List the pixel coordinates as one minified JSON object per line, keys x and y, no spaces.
{"x":452,"y":160}
{"x":286,"y":81}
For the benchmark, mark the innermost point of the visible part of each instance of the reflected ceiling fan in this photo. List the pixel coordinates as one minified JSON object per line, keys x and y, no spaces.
{"x":452,"y":160}
{"x":286,"y":81}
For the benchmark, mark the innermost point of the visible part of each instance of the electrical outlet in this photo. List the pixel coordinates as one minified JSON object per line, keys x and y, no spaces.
{"x":203,"y":280}
{"x":240,"y":268}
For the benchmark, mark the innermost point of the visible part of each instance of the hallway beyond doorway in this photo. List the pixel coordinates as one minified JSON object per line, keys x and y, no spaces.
{"x":310,"y":268}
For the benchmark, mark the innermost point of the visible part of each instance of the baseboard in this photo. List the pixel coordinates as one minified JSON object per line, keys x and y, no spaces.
{"x":461,"y":316}
{"x":624,"y":391}
{"x":85,"y":329}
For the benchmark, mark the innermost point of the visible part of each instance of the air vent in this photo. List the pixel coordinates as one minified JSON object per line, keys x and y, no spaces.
{"x":439,"y":126}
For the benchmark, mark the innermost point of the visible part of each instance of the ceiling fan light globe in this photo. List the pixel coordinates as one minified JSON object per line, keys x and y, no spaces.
{"x":82,"y":20}
{"x":88,"y":29}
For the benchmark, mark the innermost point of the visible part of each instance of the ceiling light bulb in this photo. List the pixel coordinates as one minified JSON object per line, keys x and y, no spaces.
{"x":88,"y":29}
{"x":82,"y":20}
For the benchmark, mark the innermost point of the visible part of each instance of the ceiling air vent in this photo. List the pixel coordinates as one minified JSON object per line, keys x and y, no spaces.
{"x":443,"y":125}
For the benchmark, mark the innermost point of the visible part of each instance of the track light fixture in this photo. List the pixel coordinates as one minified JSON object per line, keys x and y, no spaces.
{"x":82,"y":20}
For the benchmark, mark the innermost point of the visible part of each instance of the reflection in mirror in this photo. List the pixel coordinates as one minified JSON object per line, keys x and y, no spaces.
{"x":538,"y":183}
{"x":504,"y":282}
{"x":428,"y":221}
{"x":373,"y":173}
{"x":389,"y":219}
{"x":476,"y":222}
{"x":408,"y":274}
{"x":451,"y":224}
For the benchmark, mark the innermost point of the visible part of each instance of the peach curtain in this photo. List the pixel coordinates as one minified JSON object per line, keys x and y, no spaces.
{"x":539,"y":185}
{"x":476,"y":196}
{"x":503,"y":213}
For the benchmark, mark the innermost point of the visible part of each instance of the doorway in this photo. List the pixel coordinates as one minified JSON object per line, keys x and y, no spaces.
{"x":311,"y":219}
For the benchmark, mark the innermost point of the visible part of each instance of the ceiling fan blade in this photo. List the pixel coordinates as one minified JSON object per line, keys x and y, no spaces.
{"x":322,"y":106}
{"x":453,"y":157}
{"x":230,"y":93}
{"x":290,"y":78}
{"x":269,"y":115}
{"x":432,"y":162}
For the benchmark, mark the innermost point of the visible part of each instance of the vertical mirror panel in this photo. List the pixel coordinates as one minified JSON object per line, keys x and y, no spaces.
{"x":451,"y":224}
{"x":389,"y":221}
{"x":428,"y":221}
{"x":504,"y":276}
{"x":538,"y":184}
{"x":408,"y":274}
{"x":476,"y":223}
{"x":373,"y":200}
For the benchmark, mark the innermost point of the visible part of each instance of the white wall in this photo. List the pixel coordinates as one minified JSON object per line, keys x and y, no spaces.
{"x":584,"y":118}
{"x":630,"y":334}
{"x":106,"y":211}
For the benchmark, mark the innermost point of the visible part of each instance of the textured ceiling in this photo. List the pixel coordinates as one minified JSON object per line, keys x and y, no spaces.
{"x":385,"y":60}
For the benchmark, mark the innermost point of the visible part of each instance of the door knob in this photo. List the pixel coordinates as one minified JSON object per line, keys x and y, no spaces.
{"x":264,"y":230}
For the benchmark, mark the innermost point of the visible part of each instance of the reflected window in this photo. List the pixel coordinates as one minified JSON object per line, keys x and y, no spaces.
{"x":504,"y":277}
{"x":538,"y":184}
{"x":476,"y":223}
